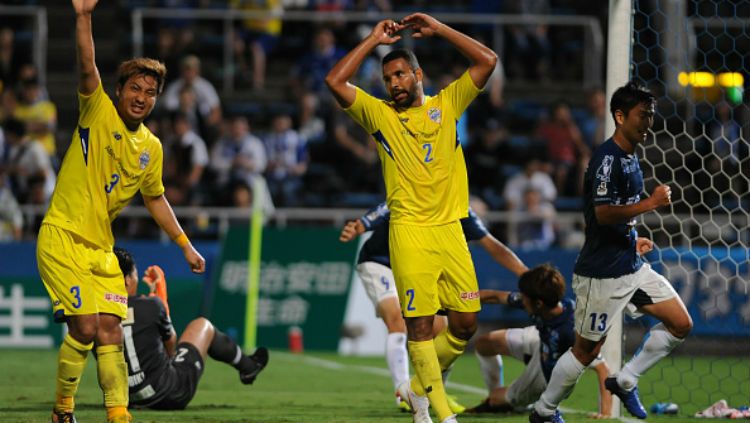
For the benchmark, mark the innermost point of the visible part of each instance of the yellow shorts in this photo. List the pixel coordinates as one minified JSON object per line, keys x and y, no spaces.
{"x":433,"y":269}
{"x":80,"y":278}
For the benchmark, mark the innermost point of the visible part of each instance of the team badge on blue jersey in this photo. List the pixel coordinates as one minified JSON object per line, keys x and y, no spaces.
{"x":605,"y":168}
{"x":602,"y":190}
{"x":144,"y":159}
{"x":434,"y":114}
{"x":117,"y":136}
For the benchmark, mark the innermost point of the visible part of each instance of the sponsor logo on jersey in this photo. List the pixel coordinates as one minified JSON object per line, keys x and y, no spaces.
{"x":117,"y":136}
{"x":434,"y":114}
{"x":602,"y":189}
{"x":473,"y":295}
{"x":144,"y":159}
{"x":605,"y":168}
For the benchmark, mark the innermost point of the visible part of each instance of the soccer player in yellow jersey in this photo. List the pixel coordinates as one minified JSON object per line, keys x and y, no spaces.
{"x":111,"y":157}
{"x":427,"y":193}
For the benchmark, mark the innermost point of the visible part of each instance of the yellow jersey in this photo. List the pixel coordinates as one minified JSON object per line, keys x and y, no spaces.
{"x":422,"y":160}
{"x":103,"y":168}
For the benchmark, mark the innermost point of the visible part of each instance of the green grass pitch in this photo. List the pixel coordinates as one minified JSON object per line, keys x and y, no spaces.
{"x":323,"y":387}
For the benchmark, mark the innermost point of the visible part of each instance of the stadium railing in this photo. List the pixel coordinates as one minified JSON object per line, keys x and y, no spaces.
{"x":593,"y":42}
{"x":38,"y":15}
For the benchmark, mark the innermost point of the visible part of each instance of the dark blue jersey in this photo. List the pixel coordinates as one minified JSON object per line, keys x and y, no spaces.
{"x":556,"y":335}
{"x":376,"y":220}
{"x":613,"y":177}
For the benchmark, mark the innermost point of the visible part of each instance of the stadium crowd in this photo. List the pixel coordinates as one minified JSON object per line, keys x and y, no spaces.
{"x":525,"y":153}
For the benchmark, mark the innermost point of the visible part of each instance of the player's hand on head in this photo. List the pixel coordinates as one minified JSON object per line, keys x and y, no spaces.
{"x":84,"y":6}
{"x":195,"y":260}
{"x":643,"y":245}
{"x":422,"y":24}
{"x":385,"y":31}
{"x":662,"y":195}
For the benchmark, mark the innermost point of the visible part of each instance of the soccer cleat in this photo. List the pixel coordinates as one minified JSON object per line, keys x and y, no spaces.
{"x":629,"y":398}
{"x":453,"y":404}
{"x":420,"y":406}
{"x":63,"y":417}
{"x":555,"y":418}
{"x":486,"y":407}
{"x":401,"y":404}
{"x":450,"y":419}
{"x":253,"y":365}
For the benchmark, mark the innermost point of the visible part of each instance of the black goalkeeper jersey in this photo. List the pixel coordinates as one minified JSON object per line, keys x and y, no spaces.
{"x":144,"y":331}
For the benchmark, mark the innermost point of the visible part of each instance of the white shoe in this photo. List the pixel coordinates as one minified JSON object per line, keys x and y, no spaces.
{"x":450,"y":419}
{"x":420,"y":406}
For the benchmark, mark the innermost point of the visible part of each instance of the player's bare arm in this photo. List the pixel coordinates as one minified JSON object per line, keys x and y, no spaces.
{"x":351,"y":230}
{"x":483,"y":59}
{"x":88,"y":74}
{"x":610,"y":214}
{"x":338,"y":78}
{"x":171,"y":344}
{"x":503,"y":255}
{"x":162,"y":213}
{"x":493,"y":296}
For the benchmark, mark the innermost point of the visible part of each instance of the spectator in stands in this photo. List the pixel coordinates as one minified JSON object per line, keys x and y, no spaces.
{"x":726,"y":135}
{"x":311,"y":126}
{"x":258,"y":36}
{"x":207,"y":103}
{"x":39,"y":114}
{"x":565,"y":148}
{"x":28,"y":166}
{"x":533,"y":177}
{"x":10,"y":58}
{"x":287,"y":161}
{"x":592,"y":124}
{"x":355,"y":155}
{"x":486,"y":156}
{"x":535,"y":228}
{"x":308,"y":76}
{"x":238,"y":156}
{"x":11,"y":218}
{"x":529,"y":48}
{"x":187,"y":157}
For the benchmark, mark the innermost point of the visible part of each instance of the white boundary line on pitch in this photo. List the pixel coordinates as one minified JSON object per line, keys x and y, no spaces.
{"x":334,"y":365}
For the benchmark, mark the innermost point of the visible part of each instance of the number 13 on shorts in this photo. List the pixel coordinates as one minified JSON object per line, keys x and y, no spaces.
{"x":598,"y":321}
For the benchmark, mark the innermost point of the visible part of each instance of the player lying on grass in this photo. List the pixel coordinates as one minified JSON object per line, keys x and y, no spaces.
{"x":539,"y":346}
{"x":163,"y":371}
{"x":374,"y":269}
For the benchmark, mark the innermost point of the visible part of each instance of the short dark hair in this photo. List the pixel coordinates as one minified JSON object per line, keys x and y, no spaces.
{"x":544,"y":283}
{"x":125,"y":260}
{"x":629,"y":96}
{"x":142,"y":66}
{"x":402,"y":53}
{"x":15,"y":127}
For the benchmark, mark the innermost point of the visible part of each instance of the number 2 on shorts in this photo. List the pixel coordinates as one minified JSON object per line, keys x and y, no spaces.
{"x":410,"y":294}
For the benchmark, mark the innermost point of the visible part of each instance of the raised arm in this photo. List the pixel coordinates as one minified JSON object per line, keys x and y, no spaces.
{"x":483,"y":59}
{"x":338,"y":78}
{"x":503,"y":255}
{"x":88,"y":74}
{"x":162,"y":213}
{"x":608,"y":214}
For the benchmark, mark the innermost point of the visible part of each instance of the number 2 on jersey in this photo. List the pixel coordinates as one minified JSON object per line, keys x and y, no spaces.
{"x":428,"y":156}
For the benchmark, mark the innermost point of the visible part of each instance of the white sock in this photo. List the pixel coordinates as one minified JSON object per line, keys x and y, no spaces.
{"x":658,"y":343}
{"x":564,"y":377}
{"x":492,"y":370}
{"x":397,"y":358}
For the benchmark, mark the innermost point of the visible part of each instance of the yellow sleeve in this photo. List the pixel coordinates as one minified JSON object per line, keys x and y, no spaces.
{"x":91,"y":107}
{"x":460,"y":93}
{"x":152,"y":185}
{"x":365,"y":111}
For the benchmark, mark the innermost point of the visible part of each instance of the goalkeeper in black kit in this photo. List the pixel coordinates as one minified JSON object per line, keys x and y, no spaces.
{"x":163,"y":372}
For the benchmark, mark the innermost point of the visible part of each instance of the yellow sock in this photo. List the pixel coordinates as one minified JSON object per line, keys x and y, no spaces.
{"x":114,"y":412}
{"x":71,"y":360}
{"x":113,"y":377}
{"x":448,"y":348}
{"x":427,"y":368}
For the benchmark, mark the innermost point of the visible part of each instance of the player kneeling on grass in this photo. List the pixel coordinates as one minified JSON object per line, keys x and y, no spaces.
{"x":163,"y":372}
{"x":539,"y":346}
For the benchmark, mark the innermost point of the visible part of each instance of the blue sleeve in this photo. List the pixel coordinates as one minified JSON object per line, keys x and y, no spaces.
{"x":474,"y":229}
{"x":376,"y":216}
{"x":606,"y":179}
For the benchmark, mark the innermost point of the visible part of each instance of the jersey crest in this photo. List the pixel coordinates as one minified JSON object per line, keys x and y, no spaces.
{"x":434,"y":114}
{"x":144,"y":159}
{"x":605,"y":168}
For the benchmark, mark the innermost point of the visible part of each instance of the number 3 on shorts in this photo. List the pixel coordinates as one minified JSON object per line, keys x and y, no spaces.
{"x":76,"y":291}
{"x":602,"y":322}
{"x":410,"y":294}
